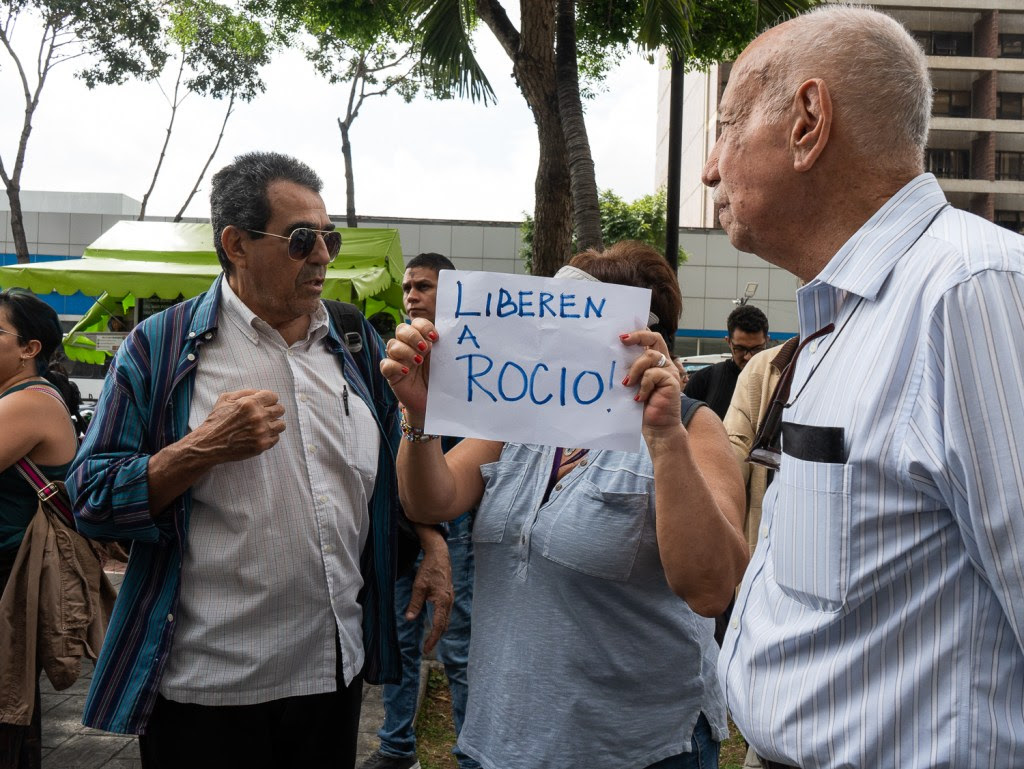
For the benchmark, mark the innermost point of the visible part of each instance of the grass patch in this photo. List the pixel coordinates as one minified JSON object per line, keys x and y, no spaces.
{"x":435,"y":732}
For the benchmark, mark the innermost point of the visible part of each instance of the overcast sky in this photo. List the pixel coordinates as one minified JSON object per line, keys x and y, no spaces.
{"x":450,"y":159}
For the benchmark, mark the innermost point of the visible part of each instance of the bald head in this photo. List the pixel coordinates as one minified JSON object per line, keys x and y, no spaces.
{"x":877,"y":75}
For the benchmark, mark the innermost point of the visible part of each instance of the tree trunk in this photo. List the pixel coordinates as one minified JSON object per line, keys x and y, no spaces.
{"x":167,"y":140}
{"x":533,"y":64}
{"x":195,"y":189}
{"x":350,"y":183}
{"x":17,"y":223}
{"x":585,"y":207}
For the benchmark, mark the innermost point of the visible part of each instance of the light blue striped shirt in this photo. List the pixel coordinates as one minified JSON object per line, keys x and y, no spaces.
{"x":881,"y":620}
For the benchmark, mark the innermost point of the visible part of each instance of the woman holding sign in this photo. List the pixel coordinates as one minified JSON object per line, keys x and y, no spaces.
{"x":596,"y":570}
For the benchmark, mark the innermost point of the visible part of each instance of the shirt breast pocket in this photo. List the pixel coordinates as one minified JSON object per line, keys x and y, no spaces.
{"x":502,"y":482}
{"x":810,"y":533}
{"x":598,"y":532}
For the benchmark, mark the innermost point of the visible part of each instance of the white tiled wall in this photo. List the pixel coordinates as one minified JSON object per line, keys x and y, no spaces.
{"x":713,"y":276}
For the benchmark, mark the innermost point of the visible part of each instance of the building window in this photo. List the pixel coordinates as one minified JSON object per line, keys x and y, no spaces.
{"x":1010,"y":106}
{"x":951,"y":103}
{"x":945,"y":43}
{"x":949,"y":164}
{"x":1011,"y":220}
{"x":1011,"y":46}
{"x":1010,"y":166}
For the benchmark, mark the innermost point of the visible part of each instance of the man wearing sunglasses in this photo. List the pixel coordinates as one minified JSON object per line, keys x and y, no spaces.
{"x":881,"y":619}
{"x":747,"y":327}
{"x":238,"y":445}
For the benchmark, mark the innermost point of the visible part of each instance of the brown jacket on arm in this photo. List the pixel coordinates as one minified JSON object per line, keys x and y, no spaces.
{"x":749,"y":403}
{"x":54,"y":611}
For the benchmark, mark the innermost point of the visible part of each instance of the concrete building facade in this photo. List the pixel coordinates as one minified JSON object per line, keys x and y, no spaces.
{"x":975,"y":52}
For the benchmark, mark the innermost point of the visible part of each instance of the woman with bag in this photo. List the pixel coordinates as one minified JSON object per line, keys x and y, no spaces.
{"x":35,"y":411}
{"x":596,"y":571}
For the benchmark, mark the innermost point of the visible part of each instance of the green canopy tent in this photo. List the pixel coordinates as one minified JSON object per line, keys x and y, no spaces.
{"x":166,"y":260}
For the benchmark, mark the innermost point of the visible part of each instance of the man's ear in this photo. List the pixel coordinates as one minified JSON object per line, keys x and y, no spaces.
{"x":232,"y":241}
{"x":812,"y":124}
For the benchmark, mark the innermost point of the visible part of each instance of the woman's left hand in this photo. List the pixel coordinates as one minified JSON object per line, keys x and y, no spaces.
{"x":657,"y":377}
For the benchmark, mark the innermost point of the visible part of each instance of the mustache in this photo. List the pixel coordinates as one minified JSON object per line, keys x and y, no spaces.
{"x":312,"y":273}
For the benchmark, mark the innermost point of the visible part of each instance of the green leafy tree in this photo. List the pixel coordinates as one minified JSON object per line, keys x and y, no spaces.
{"x":219,"y":53}
{"x":643,"y":220}
{"x":557,"y":47}
{"x":115,"y":40}
{"x":374,"y":58}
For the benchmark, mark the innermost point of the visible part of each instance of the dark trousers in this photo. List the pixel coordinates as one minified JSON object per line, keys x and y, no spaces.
{"x":317,"y":730}
{"x":21,"y":747}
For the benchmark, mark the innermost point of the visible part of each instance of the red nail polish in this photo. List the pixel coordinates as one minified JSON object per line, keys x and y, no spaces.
{"x":433,"y":336}
{"x":625,"y":381}
{"x":421,"y":346}
{"x":636,"y":397}
{"x":418,"y":359}
{"x":623,"y":337}
{"x":405,"y":370}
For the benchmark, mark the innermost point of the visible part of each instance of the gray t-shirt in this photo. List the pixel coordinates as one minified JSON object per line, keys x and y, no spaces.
{"x":581,"y":655}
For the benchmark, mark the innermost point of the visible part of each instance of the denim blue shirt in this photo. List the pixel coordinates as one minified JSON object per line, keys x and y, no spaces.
{"x":581,"y":655}
{"x":144,"y":407}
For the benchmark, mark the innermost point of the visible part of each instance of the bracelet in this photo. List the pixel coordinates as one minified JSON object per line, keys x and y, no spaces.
{"x":415,"y":434}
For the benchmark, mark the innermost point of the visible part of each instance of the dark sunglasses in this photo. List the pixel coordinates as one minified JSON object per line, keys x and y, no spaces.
{"x":302,"y":241}
{"x":765,"y":450}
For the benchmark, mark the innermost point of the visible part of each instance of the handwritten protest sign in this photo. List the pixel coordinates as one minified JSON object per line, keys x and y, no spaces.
{"x":535,"y":360}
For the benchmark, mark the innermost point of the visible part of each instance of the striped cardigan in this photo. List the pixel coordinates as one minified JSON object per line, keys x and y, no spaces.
{"x":144,"y":407}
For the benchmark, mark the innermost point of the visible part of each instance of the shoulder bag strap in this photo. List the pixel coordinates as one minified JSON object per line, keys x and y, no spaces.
{"x":50,"y":493}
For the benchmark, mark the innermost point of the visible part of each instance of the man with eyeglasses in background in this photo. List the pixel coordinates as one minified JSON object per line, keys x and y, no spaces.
{"x":747,"y":327}
{"x":259,"y":593}
{"x":880,"y":622}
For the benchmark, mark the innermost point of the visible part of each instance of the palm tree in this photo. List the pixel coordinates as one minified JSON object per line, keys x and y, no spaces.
{"x":544,"y":55}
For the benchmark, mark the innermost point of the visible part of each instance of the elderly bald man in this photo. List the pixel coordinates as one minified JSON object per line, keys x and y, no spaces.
{"x":881,"y":620}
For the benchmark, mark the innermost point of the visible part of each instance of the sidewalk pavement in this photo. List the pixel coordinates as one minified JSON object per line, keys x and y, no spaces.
{"x":69,"y":745}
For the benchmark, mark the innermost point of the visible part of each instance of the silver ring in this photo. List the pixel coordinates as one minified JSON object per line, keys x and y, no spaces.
{"x":662,"y":362}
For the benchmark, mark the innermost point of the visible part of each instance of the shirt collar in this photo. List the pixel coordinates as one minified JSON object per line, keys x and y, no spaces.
{"x":865,"y":261}
{"x":252,"y":326}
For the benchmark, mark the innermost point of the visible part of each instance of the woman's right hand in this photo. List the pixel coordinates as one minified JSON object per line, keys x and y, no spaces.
{"x":406,"y":365}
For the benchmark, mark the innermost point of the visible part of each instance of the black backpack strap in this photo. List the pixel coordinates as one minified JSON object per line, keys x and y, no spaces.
{"x":688,"y":407}
{"x":349,"y":322}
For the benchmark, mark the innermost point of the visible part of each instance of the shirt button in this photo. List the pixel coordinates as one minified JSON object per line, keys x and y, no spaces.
{"x":558,"y":487}
{"x":764,"y":532}
{"x":583,"y":463}
{"x":208,"y":335}
{"x":191,"y":356}
{"x":328,"y":549}
{"x":312,"y":449}
{"x":321,"y":499}
{"x":191,"y":334}
{"x":170,"y":618}
{"x":735,"y":623}
{"x":303,"y":398}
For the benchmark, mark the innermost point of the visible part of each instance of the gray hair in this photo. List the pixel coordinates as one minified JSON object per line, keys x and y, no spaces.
{"x":238,"y":194}
{"x":877,"y":72}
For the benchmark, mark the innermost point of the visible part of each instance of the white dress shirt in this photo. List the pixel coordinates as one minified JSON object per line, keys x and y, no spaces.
{"x":271,"y":573}
{"x":881,"y":620}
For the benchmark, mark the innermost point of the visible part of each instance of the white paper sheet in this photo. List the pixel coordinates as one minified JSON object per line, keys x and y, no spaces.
{"x":524,"y":359}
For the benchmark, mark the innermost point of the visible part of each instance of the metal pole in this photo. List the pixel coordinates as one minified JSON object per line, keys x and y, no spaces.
{"x":675,"y":151}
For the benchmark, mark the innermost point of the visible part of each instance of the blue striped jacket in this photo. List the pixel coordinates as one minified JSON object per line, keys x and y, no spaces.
{"x":144,"y":406}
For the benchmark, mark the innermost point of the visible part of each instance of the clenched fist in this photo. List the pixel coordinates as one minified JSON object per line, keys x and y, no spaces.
{"x":242,"y":424}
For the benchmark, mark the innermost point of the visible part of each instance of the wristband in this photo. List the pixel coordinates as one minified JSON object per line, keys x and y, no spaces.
{"x":415,"y":434}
